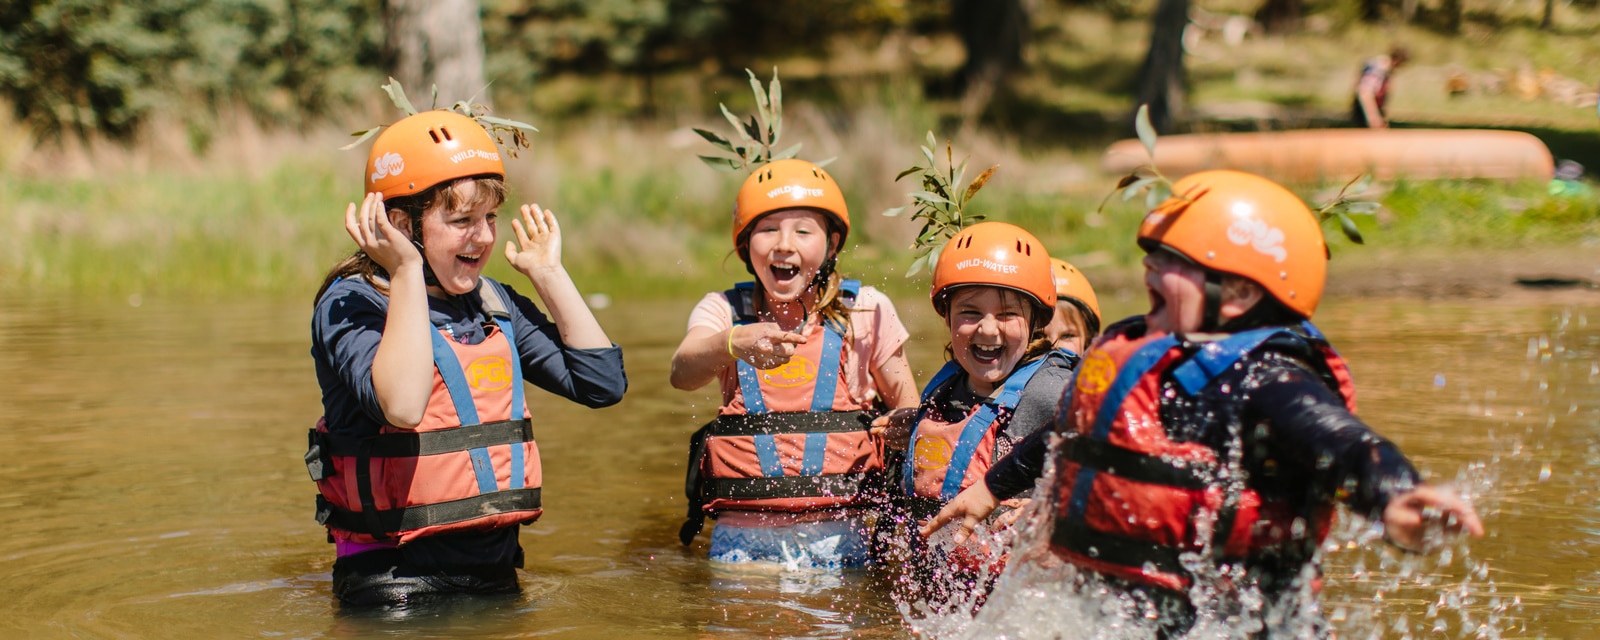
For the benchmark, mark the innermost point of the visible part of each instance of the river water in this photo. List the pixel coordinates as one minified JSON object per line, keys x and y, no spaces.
{"x":152,"y":484}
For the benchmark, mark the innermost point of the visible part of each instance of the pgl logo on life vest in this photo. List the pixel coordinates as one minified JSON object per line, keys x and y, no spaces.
{"x":797,"y":371}
{"x":932,"y":453}
{"x":1096,"y":373}
{"x":489,"y":373}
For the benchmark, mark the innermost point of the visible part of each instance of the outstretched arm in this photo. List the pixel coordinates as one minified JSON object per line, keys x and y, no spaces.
{"x":1410,"y":516}
{"x":706,"y":351}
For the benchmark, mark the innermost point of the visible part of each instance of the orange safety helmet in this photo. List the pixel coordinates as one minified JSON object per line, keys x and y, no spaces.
{"x":788,"y":184}
{"x":1246,"y":225}
{"x":996,"y":254}
{"x":429,"y":148}
{"x":1071,"y":285}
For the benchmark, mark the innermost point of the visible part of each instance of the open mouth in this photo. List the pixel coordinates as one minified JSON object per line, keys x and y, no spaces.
{"x":471,"y":260}
{"x":1158,"y":302}
{"x":987,"y":354}
{"x":783,"y":273}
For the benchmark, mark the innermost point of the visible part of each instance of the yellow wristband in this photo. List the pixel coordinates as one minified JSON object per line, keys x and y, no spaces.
{"x":730,"y":342}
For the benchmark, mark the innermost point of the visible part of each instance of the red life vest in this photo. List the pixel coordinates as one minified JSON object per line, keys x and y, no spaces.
{"x":1130,"y":500}
{"x":790,"y":438}
{"x":471,"y":464}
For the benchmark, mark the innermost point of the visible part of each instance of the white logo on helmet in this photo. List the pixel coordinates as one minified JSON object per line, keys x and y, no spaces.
{"x":796,"y":190}
{"x":1256,"y":233}
{"x":987,"y":264}
{"x":388,"y":164}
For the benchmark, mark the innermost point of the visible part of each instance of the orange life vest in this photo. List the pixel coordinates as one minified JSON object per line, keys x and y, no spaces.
{"x":1130,"y":500}
{"x":790,"y":439}
{"x":947,"y":457}
{"x":471,"y":464}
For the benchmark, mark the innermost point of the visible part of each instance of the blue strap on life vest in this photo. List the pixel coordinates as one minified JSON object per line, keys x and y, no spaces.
{"x":1132,"y":371}
{"x":978,"y":425}
{"x":503,"y":319}
{"x":1215,"y":357}
{"x":455,"y":382}
{"x":816,"y":446}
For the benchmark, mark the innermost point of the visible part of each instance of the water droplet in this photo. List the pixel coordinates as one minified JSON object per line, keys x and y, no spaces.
{"x":1438,"y":380}
{"x":1544,"y":473}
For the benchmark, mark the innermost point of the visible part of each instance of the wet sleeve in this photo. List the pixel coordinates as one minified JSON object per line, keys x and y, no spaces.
{"x":1016,"y":473}
{"x":345,"y":333}
{"x":1308,"y":427}
{"x":591,"y":377}
{"x":1037,"y":408}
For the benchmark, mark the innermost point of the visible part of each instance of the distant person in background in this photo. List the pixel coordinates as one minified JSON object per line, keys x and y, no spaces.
{"x":1372,"y":89}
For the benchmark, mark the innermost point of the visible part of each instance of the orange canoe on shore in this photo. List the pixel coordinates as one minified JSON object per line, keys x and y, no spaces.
{"x":1341,"y":154}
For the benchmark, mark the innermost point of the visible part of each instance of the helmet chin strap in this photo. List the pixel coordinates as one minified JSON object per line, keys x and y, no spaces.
{"x":428,"y":276}
{"x":1213,"y":302}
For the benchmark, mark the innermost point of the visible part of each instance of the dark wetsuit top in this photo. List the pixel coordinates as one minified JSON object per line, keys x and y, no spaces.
{"x":345,"y":331}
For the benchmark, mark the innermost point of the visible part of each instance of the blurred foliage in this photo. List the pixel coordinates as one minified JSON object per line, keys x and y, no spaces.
{"x":84,"y":66}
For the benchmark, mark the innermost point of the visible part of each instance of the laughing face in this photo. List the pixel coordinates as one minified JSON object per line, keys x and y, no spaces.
{"x":787,"y":247}
{"x":1177,"y":290}
{"x":1068,"y":329}
{"x":989,"y":331}
{"x":457,"y":242}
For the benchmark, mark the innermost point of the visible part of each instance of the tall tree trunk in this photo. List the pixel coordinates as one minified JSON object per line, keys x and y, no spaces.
{"x":1161,"y":78}
{"x":994,"y":32}
{"x":436,"y":42}
{"x":1549,"y":19}
{"x":1452,"y":14}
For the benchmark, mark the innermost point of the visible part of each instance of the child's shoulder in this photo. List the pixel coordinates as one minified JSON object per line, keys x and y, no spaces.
{"x":869,"y":298}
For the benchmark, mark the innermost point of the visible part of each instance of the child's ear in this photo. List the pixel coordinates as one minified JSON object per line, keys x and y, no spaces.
{"x":1239,"y":296}
{"x":402,"y":221}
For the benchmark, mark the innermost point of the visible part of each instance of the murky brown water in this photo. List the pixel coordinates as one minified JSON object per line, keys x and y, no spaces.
{"x":151,"y":483}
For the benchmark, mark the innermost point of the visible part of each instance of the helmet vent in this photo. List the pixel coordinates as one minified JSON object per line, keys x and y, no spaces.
{"x":446,"y":133}
{"x":435,"y":135}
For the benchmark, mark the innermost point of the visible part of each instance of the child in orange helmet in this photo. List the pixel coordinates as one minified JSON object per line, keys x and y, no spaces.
{"x":994,"y":288}
{"x":1206,"y":442}
{"x":803,"y":357}
{"x":1077,"y":319}
{"x":424,"y":458}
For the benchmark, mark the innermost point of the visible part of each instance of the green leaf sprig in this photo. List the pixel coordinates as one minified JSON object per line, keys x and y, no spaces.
{"x":1342,"y":207}
{"x":1145,"y":178}
{"x":756,"y":137}
{"x":498,"y":128}
{"x":940,"y":204}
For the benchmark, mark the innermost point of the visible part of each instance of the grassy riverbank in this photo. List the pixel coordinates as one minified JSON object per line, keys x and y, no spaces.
{"x":260,"y":211}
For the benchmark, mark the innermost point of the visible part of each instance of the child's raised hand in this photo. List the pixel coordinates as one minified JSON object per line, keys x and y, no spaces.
{"x":1413,"y":515}
{"x":970,"y":506}
{"x":764,"y":345}
{"x":894,"y":427}
{"x":538,"y":243}
{"x":369,"y":227}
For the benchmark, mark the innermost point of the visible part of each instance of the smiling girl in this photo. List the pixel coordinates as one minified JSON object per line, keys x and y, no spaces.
{"x":993,"y":287}
{"x":424,"y":458}
{"x":802,"y":357}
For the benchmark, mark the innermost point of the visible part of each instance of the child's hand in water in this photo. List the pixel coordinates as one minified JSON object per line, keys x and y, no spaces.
{"x":1412,"y":515}
{"x":538,"y":244}
{"x":970,"y":506}
{"x":894,"y":427}
{"x":763,"y":345}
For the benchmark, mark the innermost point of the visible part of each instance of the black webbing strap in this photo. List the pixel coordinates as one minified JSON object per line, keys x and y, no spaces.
{"x":426,"y":443}
{"x":369,"y":508}
{"x":842,"y":485}
{"x":1078,"y":538}
{"x":385,"y":523}
{"x":1213,"y":302}
{"x":1124,"y":463}
{"x":693,"y":483}
{"x":789,"y":422}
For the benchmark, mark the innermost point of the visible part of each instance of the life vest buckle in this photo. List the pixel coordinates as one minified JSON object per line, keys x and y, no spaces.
{"x":317,"y":464}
